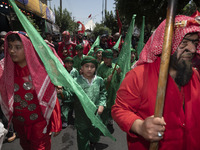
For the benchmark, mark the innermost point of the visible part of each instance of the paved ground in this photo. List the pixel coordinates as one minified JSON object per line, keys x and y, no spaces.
{"x":66,"y":140}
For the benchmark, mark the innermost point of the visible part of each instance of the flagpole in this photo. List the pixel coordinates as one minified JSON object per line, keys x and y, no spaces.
{"x":164,"y":65}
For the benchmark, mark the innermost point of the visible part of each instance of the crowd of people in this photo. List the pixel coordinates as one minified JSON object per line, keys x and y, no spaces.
{"x":34,"y":108}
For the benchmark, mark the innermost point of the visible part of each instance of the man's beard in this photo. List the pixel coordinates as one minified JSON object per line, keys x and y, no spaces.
{"x":183,"y":68}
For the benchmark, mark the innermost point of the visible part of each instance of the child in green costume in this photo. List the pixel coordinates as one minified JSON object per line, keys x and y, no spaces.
{"x":66,"y":96}
{"x":94,"y":87}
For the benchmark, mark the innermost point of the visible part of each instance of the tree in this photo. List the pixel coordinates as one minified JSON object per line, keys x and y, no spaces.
{"x":101,"y":29}
{"x":65,"y":21}
{"x":110,"y":21}
{"x":153,"y":10}
{"x":189,"y":9}
{"x":32,"y":21}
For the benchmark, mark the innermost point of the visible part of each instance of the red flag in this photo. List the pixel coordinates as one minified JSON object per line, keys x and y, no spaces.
{"x":82,"y":29}
{"x":89,"y":15}
{"x":119,"y":22}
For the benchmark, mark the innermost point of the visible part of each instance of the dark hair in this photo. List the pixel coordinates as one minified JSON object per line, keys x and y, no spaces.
{"x":13,"y":37}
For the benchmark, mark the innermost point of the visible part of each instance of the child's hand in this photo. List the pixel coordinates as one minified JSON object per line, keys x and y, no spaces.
{"x":100,"y":110}
{"x":109,"y":78}
{"x":55,"y":133}
{"x":119,"y":70}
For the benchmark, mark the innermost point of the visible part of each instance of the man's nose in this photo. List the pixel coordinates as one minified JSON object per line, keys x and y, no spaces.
{"x":191,"y":47}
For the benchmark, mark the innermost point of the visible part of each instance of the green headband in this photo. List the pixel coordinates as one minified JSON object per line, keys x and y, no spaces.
{"x":107,"y":53}
{"x":133,"y":50}
{"x":68,"y":59}
{"x":79,"y":47}
{"x":100,"y":49}
{"x":89,"y":59}
{"x":115,"y":49}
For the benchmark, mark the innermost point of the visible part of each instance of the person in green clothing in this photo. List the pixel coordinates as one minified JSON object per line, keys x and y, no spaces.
{"x":93,"y":85}
{"x":77,"y":59}
{"x":66,"y":96}
{"x":111,"y":81}
{"x":115,"y":54}
{"x":133,"y":56}
{"x":93,"y":53}
{"x":99,"y":56}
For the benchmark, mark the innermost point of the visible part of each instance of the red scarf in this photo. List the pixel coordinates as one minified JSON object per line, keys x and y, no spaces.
{"x":153,"y":47}
{"x":45,"y":90}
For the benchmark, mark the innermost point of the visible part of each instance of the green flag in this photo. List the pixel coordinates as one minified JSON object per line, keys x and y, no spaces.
{"x":56,"y":71}
{"x":96,"y":43}
{"x":117,"y":43}
{"x":141,"y":40}
{"x":124,"y":58}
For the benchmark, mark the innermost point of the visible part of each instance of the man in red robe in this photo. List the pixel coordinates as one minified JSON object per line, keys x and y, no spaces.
{"x":133,"y":110}
{"x":66,"y":48}
{"x":84,"y":43}
{"x":28,"y":98}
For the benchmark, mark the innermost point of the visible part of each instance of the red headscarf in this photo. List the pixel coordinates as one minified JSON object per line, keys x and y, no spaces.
{"x":153,"y":47}
{"x":45,"y":90}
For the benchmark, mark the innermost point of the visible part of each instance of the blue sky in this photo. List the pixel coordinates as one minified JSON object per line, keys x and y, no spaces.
{"x":81,"y":9}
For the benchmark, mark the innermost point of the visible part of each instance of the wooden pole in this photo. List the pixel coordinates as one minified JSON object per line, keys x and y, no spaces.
{"x":164,"y":65}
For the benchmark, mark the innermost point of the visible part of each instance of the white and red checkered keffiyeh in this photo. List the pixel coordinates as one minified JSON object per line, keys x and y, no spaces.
{"x":153,"y":47}
{"x":45,"y":90}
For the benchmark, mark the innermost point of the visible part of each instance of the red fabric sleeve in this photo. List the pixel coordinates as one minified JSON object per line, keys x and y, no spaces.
{"x":128,"y":100}
{"x":60,"y":49}
{"x":56,"y":123}
{"x":74,"y":51}
{"x":110,"y":43}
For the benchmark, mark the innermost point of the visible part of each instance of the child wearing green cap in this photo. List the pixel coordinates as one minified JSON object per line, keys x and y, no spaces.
{"x":94,"y":87}
{"x":66,"y":96}
{"x":99,"y":56}
{"x":133,"y":56}
{"x":111,"y":81}
{"x":77,"y":59}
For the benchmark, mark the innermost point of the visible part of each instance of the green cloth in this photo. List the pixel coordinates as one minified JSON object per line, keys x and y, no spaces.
{"x":68,"y":59}
{"x":89,"y":59}
{"x":108,"y":53}
{"x":133,"y":50}
{"x":74,"y":73}
{"x":96,"y":43}
{"x":77,"y":62}
{"x":95,"y":53}
{"x":56,"y":71}
{"x":68,"y":98}
{"x":104,"y":71}
{"x":100,"y":49}
{"x":115,"y":60}
{"x":124,"y":58}
{"x":115,"y":49}
{"x":96,"y":91}
{"x":79,"y":47}
{"x":116,"y":46}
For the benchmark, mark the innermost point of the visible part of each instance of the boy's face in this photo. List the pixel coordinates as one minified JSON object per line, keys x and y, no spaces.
{"x":99,"y":55}
{"x":68,"y":65}
{"x":107,"y":61}
{"x":115,"y":53}
{"x":16,"y":52}
{"x":79,"y":52}
{"x":132,"y":55}
{"x":88,"y":70}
